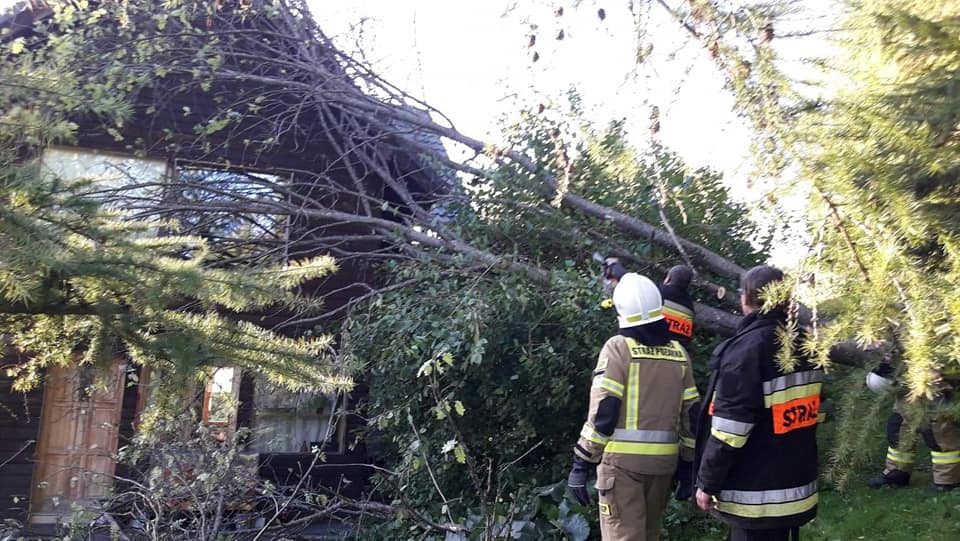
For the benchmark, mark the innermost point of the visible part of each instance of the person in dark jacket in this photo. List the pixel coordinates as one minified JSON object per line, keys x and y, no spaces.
{"x":756,"y":454}
{"x":678,"y":311}
{"x":677,"y":305}
{"x":610,"y":274}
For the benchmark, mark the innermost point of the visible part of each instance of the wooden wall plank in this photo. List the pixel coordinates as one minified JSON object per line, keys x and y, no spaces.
{"x":19,"y":426}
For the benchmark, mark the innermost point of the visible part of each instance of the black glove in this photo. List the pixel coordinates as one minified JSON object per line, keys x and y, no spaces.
{"x":684,"y":478}
{"x":613,"y":269}
{"x":885,"y":369}
{"x":577,"y":480}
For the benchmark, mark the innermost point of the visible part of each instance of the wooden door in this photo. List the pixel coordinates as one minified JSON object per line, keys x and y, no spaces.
{"x":78,"y":437}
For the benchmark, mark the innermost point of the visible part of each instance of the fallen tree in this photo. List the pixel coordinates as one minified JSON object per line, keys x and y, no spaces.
{"x":292,"y":73}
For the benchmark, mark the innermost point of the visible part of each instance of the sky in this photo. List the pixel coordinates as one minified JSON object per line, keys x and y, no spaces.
{"x":471,"y":60}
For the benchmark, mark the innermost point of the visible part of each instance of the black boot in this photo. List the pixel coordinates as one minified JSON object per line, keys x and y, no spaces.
{"x":944,"y":488}
{"x":894,"y":478}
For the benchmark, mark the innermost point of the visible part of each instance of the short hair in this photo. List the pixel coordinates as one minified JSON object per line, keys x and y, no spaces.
{"x":754,"y":280}
{"x":680,"y":276}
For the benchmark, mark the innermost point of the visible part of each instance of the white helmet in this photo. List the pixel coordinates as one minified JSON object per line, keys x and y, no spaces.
{"x":637,"y":300}
{"x":879,"y":384}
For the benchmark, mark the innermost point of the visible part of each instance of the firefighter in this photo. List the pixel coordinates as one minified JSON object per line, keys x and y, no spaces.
{"x":677,"y":304}
{"x":941,"y":434}
{"x":756,"y":457}
{"x":638,"y":419}
{"x":610,"y":274}
{"x":679,"y":312}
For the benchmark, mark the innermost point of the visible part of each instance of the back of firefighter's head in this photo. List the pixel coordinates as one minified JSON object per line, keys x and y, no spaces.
{"x":637,"y":300}
{"x":679,"y":276}
{"x":752,"y":283}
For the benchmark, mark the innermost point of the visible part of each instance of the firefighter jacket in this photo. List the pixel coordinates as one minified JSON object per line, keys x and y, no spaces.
{"x":678,"y":311}
{"x":756,"y":435}
{"x":639,"y":400}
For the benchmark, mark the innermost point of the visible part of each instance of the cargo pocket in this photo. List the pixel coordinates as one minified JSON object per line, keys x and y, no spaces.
{"x":605,"y":492}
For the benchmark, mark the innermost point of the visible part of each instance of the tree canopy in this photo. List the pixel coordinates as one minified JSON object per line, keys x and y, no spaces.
{"x":84,"y":280}
{"x":882,"y":159}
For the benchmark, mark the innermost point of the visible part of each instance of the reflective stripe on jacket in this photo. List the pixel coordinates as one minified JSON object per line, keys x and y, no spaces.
{"x":639,"y":400}
{"x":756,"y":446}
{"x":679,"y":313}
{"x":679,"y":318}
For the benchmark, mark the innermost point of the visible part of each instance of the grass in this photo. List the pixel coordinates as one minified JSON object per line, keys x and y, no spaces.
{"x":905,"y":514}
{"x":909,"y":513}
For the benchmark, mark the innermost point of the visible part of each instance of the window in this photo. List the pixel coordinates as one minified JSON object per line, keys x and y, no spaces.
{"x":105,"y":169}
{"x":236,"y":210}
{"x":122,"y":182}
{"x":288,"y":422}
{"x":220,"y":400}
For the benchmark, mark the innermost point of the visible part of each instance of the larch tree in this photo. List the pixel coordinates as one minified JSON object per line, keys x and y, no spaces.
{"x":83,"y":281}
{"x":882,"y":158}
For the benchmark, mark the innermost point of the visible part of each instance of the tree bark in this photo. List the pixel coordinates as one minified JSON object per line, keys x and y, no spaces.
{"x":712,"y":260}
{"x":715,"y":320}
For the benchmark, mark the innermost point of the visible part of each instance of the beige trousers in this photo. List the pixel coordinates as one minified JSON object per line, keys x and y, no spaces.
{"x":946,"y":460}
{"x":631,"y":504}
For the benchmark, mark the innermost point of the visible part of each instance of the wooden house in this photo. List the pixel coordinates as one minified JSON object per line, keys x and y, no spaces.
{"x":57,"y":442}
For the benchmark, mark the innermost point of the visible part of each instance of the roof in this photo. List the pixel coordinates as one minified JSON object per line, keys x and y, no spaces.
{"x":439,"y":179}
{"x":419,"y":163}
{"x":17,"y":21}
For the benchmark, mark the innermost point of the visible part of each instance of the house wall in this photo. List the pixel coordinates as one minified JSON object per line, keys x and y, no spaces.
{"x":302,"y":150}
{"x":128,"y":417}
{"x":19,"y":431}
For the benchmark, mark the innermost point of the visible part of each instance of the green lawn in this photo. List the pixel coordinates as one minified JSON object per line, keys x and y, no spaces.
{"x":888,"y":514}
{"x":907,"y":514}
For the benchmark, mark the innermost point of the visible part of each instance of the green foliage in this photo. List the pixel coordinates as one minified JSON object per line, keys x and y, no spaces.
{"x":654,"y":186}
{"x":82,"y":282}
{"x":883,"y":161}
{"x":494,"y":369}
{"x":682,"y":520}
{"x":694,"y":202}
{"x":853,"y":431}
{"x":479,"y":381}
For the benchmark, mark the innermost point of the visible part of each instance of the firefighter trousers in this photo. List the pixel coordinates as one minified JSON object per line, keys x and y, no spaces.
{"x":942,"y":436}
{"x":631,"y":504}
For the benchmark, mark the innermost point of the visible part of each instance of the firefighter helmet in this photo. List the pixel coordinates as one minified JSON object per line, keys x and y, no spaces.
{"x":637,"y":300}
{"x":880,"y":384}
